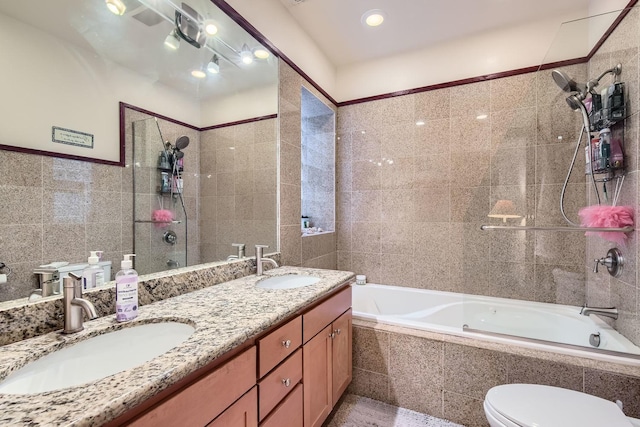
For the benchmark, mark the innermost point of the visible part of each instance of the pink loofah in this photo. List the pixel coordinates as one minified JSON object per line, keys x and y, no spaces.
{"x":607,"y":216}
{"x":162,"y":217}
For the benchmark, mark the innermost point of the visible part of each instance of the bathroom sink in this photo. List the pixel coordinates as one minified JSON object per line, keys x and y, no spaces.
{"x":96,"y":358}
{"x":288,"y":281}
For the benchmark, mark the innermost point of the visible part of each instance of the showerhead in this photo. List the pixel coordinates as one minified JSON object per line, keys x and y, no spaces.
{"x":574,"y":102}
{"x":182,"y":142}
{"x":565,"y":82}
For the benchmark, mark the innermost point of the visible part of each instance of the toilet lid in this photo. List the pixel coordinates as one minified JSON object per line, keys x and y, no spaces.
{"x":530,"y":405}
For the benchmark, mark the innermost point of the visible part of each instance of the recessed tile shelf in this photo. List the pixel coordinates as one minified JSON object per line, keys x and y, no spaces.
{"x":542,"y":228}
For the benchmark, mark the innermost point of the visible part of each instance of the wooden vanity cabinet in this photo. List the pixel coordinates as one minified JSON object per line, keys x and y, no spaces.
{"x":326,"y":356}
{"x":291,"y":376}
{"x":202,"y":401}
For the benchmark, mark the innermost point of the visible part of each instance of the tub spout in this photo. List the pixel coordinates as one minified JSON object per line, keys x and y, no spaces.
{"x":611,"y":312}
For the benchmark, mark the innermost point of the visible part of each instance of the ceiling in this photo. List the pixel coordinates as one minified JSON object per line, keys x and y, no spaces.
{"x":411,"y":25}
{"x":135,"y":41}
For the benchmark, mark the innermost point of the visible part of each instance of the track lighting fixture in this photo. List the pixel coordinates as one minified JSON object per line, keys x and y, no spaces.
{"x":116,"y":7}
{"x":172,"y":41}
{"x":213,"y":66}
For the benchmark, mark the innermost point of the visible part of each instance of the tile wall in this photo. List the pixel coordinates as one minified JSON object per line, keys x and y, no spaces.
{"x":448,"y":377}
{"x":317,"y":251}
{"x":238,"y":188}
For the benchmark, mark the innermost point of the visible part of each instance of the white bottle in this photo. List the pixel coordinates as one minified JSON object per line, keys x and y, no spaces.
{"x":126,"y":291}
{"x":93,"y":275}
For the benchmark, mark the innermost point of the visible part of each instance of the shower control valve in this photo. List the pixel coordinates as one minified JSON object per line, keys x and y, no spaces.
{"x":613,"y":261}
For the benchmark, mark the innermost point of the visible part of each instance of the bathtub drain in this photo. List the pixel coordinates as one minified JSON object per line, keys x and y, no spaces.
{"x":594,"y":339}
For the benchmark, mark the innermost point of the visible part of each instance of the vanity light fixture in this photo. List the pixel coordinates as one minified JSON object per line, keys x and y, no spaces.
{"x":172,"y":41}
{"x":210,"y":28}
{"x":116,"y":7}
{"x":213,"y":66}
{"x":373,"y":17}
{"x":246,"y":55}
{"x":261,"y":53}
{"x":199,"y":74}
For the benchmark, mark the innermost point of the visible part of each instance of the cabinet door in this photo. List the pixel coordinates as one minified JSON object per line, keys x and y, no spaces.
{"x":316,"y":377}
{"x":243,"y":413}
{"x":341,"y":354}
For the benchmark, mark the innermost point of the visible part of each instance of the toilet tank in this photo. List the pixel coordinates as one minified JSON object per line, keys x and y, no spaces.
{"x":78,"y":268}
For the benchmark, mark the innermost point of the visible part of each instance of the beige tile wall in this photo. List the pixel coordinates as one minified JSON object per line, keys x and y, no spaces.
{"x":238,"y":184}
{"x":411,"y":198}
{"x":317,"y":251}
{"x":448,"y":377}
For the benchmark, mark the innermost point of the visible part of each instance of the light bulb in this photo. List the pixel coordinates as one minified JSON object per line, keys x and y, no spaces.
{"x":213,"y":67}
{"x":246,"y":55}
{"x":199,"y":74}
{"x":261,"y":53}
{"x":116,"y":7}
{"x":373,"y":18}
{"x":210,"y":27}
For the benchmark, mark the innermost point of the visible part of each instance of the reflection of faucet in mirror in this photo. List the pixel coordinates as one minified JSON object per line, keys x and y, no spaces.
{"x":75,"y":305}
{"x":261,"y":260}
{"x":49,"y":282}
{"x":240,"y":255}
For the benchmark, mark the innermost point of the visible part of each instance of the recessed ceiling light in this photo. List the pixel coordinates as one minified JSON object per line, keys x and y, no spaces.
{"x":116,"y":6}
{"x":261,"y":53}
{"x":481,"y":116}
{"x":373,"y":17}
{"x":199,"y":74}
{"x":210,"y":27}
{"x":420,"y":123}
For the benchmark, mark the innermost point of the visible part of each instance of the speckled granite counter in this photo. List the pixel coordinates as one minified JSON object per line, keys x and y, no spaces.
{"x":224,"y":316}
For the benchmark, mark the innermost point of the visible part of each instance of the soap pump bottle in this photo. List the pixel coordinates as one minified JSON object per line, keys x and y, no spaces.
{"x":126,"y":291}
{"x":93,"y":275}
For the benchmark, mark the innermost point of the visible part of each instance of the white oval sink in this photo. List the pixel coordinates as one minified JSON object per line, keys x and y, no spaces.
{"x":96,"y":358}
{"x":288,"y":281}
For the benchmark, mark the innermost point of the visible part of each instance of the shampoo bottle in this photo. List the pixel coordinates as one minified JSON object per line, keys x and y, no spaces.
{"x":93,"y":275}
{"x":126,"y":291}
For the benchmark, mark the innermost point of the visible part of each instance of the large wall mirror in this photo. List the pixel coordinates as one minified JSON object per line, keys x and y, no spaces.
{"x":96,"y":95}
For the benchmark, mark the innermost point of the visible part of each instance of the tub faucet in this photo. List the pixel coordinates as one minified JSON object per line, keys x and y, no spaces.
{"x":260,"y":260}
{"x":74,"y":305}
{"x":611,"y":312}
{"x":240,"y":255}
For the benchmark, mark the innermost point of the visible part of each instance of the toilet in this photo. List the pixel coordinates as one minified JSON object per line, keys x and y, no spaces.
{"x":532,"y":405}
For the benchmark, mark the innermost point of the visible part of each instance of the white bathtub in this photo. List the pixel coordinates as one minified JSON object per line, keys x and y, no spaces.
{"x":542,"y":325}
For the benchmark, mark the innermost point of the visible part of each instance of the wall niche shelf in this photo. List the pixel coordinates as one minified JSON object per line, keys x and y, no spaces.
{"x":542,"y":228}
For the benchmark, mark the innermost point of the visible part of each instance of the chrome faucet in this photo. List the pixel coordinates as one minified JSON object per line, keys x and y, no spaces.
{"x":240,"y":255}
{"x":75,"y":305}
{"x":260,"y":260}
{"x":611,"y":312}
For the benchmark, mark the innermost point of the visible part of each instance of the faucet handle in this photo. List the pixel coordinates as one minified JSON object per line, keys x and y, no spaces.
{"x":238,"y":245}
{"x":73,"y":281}
{"x":262,"y":246}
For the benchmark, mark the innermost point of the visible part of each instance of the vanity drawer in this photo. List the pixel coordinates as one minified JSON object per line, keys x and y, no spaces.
{"x":276,"y":385}
{"x":321,"y":315}
{"x":288,"y":413}
{"x":279,"y":344}
{"x":202,"y":401}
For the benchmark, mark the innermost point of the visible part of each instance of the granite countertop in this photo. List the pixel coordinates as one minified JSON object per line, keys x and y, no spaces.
{"x":224,"y":316}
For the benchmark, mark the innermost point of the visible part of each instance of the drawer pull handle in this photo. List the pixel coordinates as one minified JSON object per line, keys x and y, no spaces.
{"x":337,"y":331}
{"x":286,"y":344}
{"x":286,"y":382}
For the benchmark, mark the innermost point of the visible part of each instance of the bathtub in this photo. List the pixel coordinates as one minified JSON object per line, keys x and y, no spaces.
{"x":560,"y":328}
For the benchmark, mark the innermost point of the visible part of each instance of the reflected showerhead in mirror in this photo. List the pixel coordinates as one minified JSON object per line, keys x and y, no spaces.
{"x":182,"y":142}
